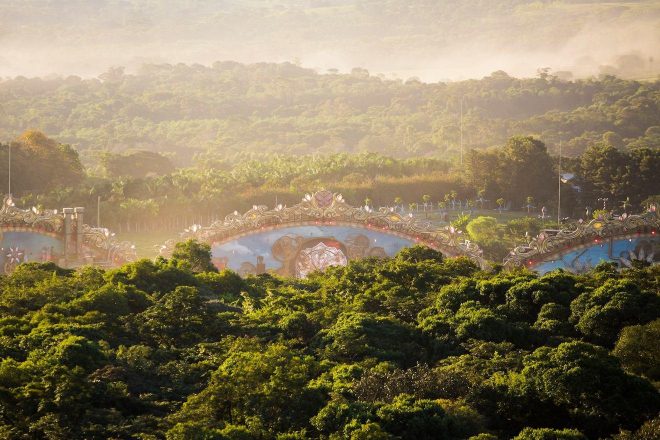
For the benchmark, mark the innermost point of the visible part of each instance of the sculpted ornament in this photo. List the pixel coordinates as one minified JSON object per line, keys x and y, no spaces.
{"x":47,"y":220}
{"x":327,"y":208}
{"x":99,"y":246}
{"x":550,"y":243}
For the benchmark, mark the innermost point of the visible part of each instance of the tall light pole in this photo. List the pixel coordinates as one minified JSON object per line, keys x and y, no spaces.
{"x":9,"y":170}
{"x":559,"y":189}
{"x":462,"y":97}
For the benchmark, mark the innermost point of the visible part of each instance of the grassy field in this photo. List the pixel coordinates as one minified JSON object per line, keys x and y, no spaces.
{"x":146,"y":243}
{"x":504,"y":217}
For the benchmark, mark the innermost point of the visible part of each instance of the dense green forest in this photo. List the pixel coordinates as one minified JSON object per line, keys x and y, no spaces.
{"x":191,"y":112}
{"x":416,"y":346}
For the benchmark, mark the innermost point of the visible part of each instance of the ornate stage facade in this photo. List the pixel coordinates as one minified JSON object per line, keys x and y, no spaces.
{"x":321,"y":231}
{"x":620,"y":240}
{"x":32,"y":235}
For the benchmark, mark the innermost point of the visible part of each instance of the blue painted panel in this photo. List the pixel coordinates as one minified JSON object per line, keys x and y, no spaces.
{"x":23,"y":246}
{"x":620,"y":251}
{"x":295,"y":251}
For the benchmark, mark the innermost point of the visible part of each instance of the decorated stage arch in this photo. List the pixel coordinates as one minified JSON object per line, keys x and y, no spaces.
{"x":33,"y":235}
{"x":620,"y":240}
{"x":321,"y":231}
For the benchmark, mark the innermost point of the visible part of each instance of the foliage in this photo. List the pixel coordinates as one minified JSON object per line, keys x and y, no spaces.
{"x":549,"y":434}
{"x":639,"y":351}
{"x":277,"y":108}
{"x":137,"y":165}
{"x":195,"y":255}
{"x":175,"y":200}
{"x":413,"y":346}
{"x":482,"y":229}
{"x":40,"y":163}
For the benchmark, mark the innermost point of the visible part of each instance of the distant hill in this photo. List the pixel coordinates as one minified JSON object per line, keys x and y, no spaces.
{"x":231,"y":109}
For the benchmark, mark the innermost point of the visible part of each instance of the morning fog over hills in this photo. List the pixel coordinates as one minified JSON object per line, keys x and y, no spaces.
{"x":431,"y":40}
{"x":334,"y":220}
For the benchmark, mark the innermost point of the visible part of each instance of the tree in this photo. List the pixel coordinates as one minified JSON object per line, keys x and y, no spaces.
{"x":480,"y":198}
{"x":397,"y":201}
{"x":356,"y":336}
{"x":529,"y":200}
{"x":40,"y":164}
{"x":638,"y":349}
{"x":181,"y":317}
{"x":194,"y":255}
{"x":419,"y":253}
{"x":257,"y":384}
{"x":452,"y":196}
{"x":426,"y":198}
{"x":137,"y":164}
{"x":576,"y":377}
{"x":549,"y":434}
{"x":625,"y":205}
{"x":604,"y":170}
{"x":526,"y":166}
{"x":483,"y":229}
{"x":406,"y":417}
{"x":500,"y":205}
{"x":602,"y":313}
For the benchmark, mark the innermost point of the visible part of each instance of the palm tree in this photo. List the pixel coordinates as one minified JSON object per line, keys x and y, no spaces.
{"x":397,"y":201}
{"x":426,"y":198}
{"x":480,"y":198}
{"x":470,"y":205}
{"x":625,"y":205}
{"x":500,"y":204}
{"x":529,"y":205}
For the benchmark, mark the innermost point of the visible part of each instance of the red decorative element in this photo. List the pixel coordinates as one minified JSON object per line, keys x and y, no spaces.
{"x":332,"y":243}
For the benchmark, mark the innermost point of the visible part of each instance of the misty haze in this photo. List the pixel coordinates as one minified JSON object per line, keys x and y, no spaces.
{"x":431,"y":40}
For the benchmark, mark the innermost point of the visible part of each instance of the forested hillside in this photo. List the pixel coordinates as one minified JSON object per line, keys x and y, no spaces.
{"x":409,"y":347}
{"x":230,"y":108}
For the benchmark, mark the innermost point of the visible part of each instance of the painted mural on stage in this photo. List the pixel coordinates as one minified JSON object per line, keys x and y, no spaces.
{"x":300,"y":250}
{"x":23,"y":246}
{"x":621,"y":251}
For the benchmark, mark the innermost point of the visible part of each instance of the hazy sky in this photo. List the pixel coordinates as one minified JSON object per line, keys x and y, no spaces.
{"x":433,"y":40}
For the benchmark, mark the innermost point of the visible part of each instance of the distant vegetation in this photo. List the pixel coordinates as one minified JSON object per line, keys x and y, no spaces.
{"x":413,"y":347}
{"x":141,"y":191}
{"x":228,"y":110}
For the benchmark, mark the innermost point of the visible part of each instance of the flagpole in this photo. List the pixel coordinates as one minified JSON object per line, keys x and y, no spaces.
{"x":559,"y":189}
